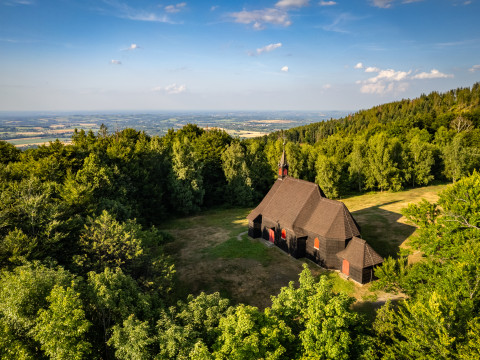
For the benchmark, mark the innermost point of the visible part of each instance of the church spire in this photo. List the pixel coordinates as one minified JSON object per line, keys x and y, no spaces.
{"x":283,"y":164}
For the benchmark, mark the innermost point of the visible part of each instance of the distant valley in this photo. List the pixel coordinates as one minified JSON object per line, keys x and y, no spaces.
{"x":30,"y":129}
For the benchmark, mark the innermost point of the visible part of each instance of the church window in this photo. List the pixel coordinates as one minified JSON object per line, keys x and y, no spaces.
{"x":316,"y":243}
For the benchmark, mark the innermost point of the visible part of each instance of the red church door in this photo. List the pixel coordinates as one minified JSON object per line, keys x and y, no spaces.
{"x":346,"y":267}
{"x":271,"y":235}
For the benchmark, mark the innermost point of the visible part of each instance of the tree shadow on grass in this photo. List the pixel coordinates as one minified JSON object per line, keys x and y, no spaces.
{"x":382,"y":230}
{"x":369,"y":308}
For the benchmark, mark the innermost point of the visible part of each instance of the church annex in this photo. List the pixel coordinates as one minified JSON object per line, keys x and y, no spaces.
{"x":296,"y":216}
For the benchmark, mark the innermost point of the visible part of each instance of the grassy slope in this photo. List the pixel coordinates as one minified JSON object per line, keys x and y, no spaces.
{"x":213,"y":253}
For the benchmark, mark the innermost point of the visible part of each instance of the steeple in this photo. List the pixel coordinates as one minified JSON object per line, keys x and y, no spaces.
{"x":283,"y":164}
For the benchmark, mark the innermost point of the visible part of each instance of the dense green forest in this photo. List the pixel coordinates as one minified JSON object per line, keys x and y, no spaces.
{"x":85,"y":274}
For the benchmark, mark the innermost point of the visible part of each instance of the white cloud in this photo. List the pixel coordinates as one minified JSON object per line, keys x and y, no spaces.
{"x":175,"y":89}
{"x":389,"y":75}
{"x":371,"y":69}
{"x":378,"y":88}
{"x":382,"y":88}
{"x":268,"y":48}
{"x":284,"y":69}
{"x":433,"y":74}
{"x":124,"y":11}
{"x":327,"y":3}
{"x":214,"y":7}
{"x":134,"y":47}
{"x":291,"y":3}
{"x":474,"y":68}
{"x":19,"y":2}
{"x":392,"y":80}
{"x":115,"y":62}
{"x":339,"y":23}
{"x":327,"y":86}
{"x":175,"y":8}
{"x":385,"y":4}
{"x":384,"y":82}
{"x":258,"y":18}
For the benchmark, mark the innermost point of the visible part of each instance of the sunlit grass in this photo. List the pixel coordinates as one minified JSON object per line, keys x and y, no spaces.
{"x":240,"y":249}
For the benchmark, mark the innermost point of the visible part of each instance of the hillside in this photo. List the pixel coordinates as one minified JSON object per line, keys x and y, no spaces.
{"x":429,"y":112}
{"x":86,"y":272}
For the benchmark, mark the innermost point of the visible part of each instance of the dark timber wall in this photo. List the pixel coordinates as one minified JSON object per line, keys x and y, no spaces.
{"x":356,"y":274}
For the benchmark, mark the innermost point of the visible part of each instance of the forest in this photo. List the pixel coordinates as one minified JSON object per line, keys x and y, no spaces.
{"x":84,"y":272}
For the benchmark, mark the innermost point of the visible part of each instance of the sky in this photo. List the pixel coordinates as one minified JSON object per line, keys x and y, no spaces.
{"x":125,"y":55}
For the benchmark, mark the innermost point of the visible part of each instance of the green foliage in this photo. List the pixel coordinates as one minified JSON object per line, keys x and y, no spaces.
{"x":436,"y":321}
{"x":239,"y":189}
{"x":16,"y":247}
{"x":114,"y":296}
{"x":108,"y":243}
{"x":461,"y":203}
{"x":32,"y":207}
{"x":273,"y":152}
{"x":296,"y":160}
{"x":24,"y":292}
{"x":250,"y":334}
{"x":186,"y":181}
{"x":358,"y":163}
{"x":12,"y":345}
{"x":420,"y":160}
{"x":328,"y":175}
{"x":8,"y":152}
{"x":325,"y":325}
{"x":420,"y":329}
{"x":191,"y":328}
{"x":61,"y":329}
{"x":457,"y":157}
{"x":132,"y":341}
{"x":384,"y":156}
{"x":261,"y":174}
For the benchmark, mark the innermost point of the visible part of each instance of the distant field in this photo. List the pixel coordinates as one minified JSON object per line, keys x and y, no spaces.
{"x":244,"y":124}
{"x":28,"y":141}
{"x":213,"y":253}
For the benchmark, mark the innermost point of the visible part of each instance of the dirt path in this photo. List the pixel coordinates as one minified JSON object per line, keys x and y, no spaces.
{"x":239,"y":236}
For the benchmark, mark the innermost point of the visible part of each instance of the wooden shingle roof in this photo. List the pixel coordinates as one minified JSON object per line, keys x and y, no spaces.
{"x":359,"y":254}
{"x":301,"y":206}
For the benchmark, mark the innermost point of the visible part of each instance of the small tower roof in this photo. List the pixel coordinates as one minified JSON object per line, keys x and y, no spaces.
{"x":360,"y":254}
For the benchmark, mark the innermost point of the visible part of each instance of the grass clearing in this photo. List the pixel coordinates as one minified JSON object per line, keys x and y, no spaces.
{"x":246,"y":248}
{"x":379,"y":216}
{"x":212,"y":253}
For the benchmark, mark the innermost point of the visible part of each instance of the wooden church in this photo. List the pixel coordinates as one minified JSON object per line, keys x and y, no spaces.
{"x":296,"y":216}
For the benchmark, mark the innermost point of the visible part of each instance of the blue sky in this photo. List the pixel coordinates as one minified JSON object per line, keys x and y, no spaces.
{"x":232,"y":55}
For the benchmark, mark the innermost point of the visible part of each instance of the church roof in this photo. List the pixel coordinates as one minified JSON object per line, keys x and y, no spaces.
{"x":301,"y":206}
{"x":359,"y":254}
